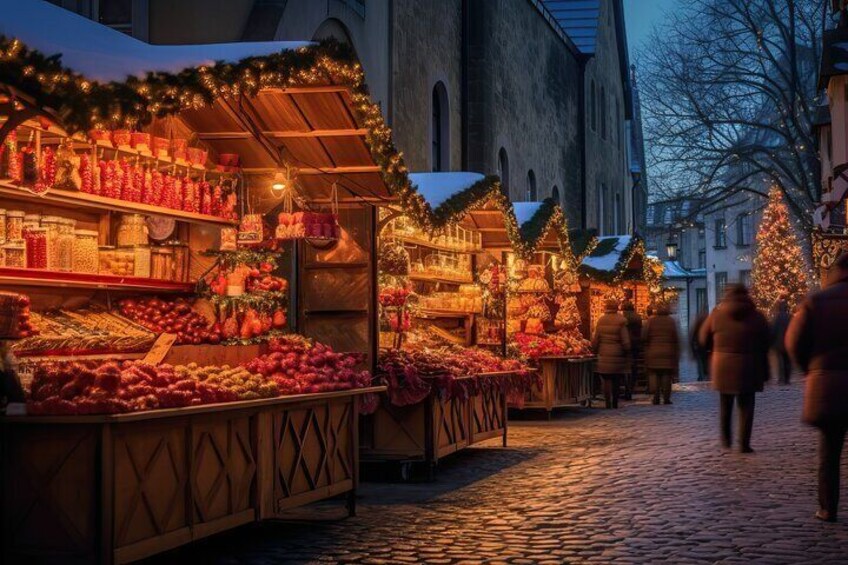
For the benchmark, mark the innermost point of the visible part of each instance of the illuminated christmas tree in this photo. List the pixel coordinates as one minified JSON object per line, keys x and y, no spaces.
{"x":779,"y":269}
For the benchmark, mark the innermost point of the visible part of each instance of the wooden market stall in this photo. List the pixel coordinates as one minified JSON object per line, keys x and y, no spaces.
{"x":444,"y":394}
{"x":134,"y":180}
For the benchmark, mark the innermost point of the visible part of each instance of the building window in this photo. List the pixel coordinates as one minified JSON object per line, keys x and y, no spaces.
{"x":743,"y":230}
{"x":720,"y":234}
{"x":555,"y":195}
{"x":702,"y":258}
{"x":701,"y":300}
{"x":593,"y":107}
{"x":603,"y":104}
{"x":503,"y":168}
{"x":720,"y":284}
{"x":440,"y":128}
{"x":599,"y":191}
{"x":530,"y":195}
{"x":618,"y":220}
{"x":745,"y":277}
{"x":116,"y":14}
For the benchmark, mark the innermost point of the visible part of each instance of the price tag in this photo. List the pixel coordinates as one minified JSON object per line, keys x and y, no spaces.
{"x":160,"y":349}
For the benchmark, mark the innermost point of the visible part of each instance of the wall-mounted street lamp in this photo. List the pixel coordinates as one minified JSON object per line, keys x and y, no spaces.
{"x":671,"y":250}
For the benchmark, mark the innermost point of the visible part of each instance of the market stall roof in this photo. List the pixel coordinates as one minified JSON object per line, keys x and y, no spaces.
{"x":674,"y":270}
{"x":440,"y":198}
{"x":299,"y":102}
{"x":614,"y":257}
{"x":525,"y":227}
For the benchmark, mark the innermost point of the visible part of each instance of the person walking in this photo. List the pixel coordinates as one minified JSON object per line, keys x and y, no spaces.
{"x":737,"y":336}
{"x":779,"y":324}
{"x":818,"y":344}
{"x":698,"y":354}
{"x":634,"y":330}
{"x":611,"y":342}
{"x":662,"y":352}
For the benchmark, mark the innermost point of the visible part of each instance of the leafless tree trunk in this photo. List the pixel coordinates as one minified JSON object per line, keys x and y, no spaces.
{"x":729,"y":93}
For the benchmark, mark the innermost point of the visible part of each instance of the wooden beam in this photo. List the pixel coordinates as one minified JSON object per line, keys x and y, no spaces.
{"x":307,"y":89}
{"x":361,"y":132}
{"x":224,"y":135}
{"x":321,"y":171}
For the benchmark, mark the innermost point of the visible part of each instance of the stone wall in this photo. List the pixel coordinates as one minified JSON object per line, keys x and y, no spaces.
{"x":427,"y":47}
{"x":606,"y":150}
{"x":524,"y":96}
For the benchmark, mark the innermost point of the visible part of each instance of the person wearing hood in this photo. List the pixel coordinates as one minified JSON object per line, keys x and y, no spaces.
{"x":611,"y":342}
{"x":662,"y":352}
{"x":634,"y":329}
{"x":818,"y":344}
{"x":738,"y":337}
{"x":779,"y":324}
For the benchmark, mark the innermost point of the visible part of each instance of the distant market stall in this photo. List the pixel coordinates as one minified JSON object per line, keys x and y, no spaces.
{"x":188,"y":233}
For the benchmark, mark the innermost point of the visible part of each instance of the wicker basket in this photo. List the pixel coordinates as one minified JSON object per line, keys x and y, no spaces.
{"x":11,"y":307}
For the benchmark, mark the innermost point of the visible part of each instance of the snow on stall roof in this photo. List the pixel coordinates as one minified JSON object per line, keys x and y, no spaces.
{"x":524,"y":211}
{"x":608,"y":261}
{"x":101,"y":53}
{"x":437,"y":188}
{"x":674,"y":270}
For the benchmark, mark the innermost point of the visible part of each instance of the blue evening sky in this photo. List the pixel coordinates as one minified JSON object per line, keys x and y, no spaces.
{"x":640,"y":17}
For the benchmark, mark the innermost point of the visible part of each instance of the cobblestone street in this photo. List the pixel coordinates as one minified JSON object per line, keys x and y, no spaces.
{"x":645,"y":484}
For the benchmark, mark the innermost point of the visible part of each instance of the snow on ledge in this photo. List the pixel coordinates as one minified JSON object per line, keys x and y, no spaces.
{"x":103,"y":54}
{"x":437,"y":188}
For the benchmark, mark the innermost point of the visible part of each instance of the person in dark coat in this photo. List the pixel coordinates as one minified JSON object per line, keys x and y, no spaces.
{"x":818,"y":343}
{"x":611,"y":342}
{"x":698,"y":354}
{"x":662,"y":352}
{"x":634,"y":329}
{"x":779,"y":324}
{"x":738,"y":337}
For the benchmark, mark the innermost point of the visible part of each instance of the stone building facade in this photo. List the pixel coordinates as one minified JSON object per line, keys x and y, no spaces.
{"x":492,"y":86}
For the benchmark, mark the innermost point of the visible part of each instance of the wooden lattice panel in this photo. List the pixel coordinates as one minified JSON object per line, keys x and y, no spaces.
{"x":49,"y":498}
{"x":450,"y":418}
{"x":488,"y":415}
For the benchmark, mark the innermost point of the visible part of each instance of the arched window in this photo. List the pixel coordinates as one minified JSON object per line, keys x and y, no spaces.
{"x":503,"y":168}
{"x":603,"y":102}
{"x":593,"y":107}
{"x":440,"y":129}
{"x":555,"y":195}
{"x":332,"y":28}
{"x":530,"y":196}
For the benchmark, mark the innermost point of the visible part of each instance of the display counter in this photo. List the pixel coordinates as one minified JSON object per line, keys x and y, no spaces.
{"x":565,"y":381}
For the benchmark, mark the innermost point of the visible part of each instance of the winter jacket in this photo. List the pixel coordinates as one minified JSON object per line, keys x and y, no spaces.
{"x":818,"y":343}
{"x":738,"y":337}
{"x":611,"y":342}
{"x":661,"y":342}
{"x":634,"y":329}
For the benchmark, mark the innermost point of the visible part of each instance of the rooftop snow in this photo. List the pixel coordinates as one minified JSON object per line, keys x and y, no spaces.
{"x":101,"y":53}
{"x":608,"y":260}
{"x":437,"y":188}
{"x":524,"y":211}
{"x":674,"y":270}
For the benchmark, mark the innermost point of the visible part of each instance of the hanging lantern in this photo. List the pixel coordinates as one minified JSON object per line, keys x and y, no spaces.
{"x":284,"y":180}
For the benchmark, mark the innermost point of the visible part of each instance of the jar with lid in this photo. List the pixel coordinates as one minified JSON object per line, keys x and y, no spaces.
{"x":180,"y":264}
{"x":141,"y":258}
{"x":66,"y":244}
{"x":132,"y":230}
{"x":52,"y":225}
{"x":2,"y":225}
{"x":85,"y":258}
{"x":14,"y":225}
{"x":14,"y":254}
{"x":36,"y":247}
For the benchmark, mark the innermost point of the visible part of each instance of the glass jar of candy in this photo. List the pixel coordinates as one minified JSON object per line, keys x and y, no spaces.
{"x":66,"y":244}
{"x":132,"y":230}
{"x":2,"y":225}
{"x":36,"y":247}
{"x":85,"y":258}
{"x":118,"y":262}
{"x":14,"y":225}
{"x":52,"y":225}
{"x":14,"y":255}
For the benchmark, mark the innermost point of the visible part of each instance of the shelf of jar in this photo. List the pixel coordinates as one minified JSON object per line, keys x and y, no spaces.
{"x":412,"y":240}
{"x":436,"y":313}
{"x":11,"y":276}
{"x":72,"y":199}
{"x":437,"y":279}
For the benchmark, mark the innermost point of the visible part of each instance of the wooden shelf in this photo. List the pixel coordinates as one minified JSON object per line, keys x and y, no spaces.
{"x":37,"y":277}
{"x":72,"y":199}
{"x":444,"y":313}
{"x":435,"y":279}
{"x":429,"y":244}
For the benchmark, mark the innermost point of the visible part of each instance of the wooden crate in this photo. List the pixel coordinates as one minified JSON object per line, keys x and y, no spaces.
{"x":565,"y":382}
{"x":119,"y":488}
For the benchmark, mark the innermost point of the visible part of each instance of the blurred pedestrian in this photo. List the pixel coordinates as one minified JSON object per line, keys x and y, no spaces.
{"x":779,"y":324}
{"x":611,"y":342}
{"x":634,"y":329}
{"x":818,"y":344}
{"x":662,"y":352}
{"x":698,"y":353}
{"x":737,"y":336}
